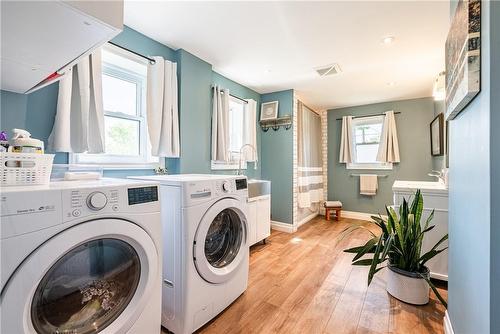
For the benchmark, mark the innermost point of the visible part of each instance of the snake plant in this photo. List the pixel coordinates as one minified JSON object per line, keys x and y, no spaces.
{"x":400,"y":243}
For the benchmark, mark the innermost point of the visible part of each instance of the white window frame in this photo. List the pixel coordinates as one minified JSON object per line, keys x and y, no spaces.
{"x":109,"y":161}
{"x":364,"y":165}
{"x":234,"y":163}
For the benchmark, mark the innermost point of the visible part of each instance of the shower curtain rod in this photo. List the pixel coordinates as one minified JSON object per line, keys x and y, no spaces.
{"x":371,"y":115}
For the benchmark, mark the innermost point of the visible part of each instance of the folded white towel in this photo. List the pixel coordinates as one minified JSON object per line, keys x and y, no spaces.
{"x":368,"y":184}
{"x":333,"y":204}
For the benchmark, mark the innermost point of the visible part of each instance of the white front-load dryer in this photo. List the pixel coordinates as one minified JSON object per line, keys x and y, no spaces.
{"x":81,"y":257}
{"x":206,"y":253}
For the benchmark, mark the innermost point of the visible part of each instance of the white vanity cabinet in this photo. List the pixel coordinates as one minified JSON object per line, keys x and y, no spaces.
{"x":435,"y":196}
{"x":259,"y":218}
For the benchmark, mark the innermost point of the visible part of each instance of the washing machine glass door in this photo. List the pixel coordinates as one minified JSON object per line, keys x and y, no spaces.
{"x":221,"y":244}
{"x":93,"y":277}
{"x":88,"y":287}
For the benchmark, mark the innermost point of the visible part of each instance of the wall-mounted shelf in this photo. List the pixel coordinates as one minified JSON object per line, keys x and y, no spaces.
{"x":275,"y":124}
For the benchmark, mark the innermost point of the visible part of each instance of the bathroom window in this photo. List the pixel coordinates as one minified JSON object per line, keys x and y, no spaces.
{"x":236,"y":130}
{"x":124,"y":100}
{"x":366,"y":139}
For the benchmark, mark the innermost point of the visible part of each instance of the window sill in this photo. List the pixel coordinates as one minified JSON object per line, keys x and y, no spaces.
{"x":369,"y":166}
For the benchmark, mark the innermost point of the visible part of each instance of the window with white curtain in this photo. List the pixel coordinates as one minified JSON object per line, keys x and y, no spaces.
{"x":236,"y":131}
{"x":366,"y":139}
{"x":124,"y":100}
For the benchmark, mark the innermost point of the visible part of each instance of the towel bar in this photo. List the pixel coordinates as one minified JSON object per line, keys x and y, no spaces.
{"x":378,"y":175}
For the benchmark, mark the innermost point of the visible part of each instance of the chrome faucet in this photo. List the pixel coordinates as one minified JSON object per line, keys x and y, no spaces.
{"x":241,"y":155}
{"x":438,"y":174}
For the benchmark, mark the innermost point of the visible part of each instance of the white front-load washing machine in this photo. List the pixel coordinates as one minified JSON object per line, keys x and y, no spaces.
{"x":205,"y":251}
{"x":81,"y":257}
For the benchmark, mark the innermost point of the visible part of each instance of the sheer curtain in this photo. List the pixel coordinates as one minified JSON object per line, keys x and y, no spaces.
{"x":220,"y":127}
{"x":310,"y":161}
{"x":346,"y":149}
{"x":388,"y":150}
{"x":79,"y":122}
{"x":162,"y":109}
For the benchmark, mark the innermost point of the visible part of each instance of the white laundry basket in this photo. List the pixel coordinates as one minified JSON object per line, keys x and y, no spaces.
{"x":24,"y":169}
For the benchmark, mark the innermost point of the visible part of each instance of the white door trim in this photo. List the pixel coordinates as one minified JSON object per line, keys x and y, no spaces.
{"x":448,"y":329}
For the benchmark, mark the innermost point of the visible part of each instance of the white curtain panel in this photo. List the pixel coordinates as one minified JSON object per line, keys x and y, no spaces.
{"x":79,"y":121}
{"x":250,"y":130}
{"x":388,"y":150}
{"x":346,"y":149}
{"x":162,"y":108}
{"x":220,"y":128}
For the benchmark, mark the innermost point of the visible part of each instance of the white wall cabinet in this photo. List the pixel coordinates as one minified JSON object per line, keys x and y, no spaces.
{"x":259,"y":219}
{"x":435,"y":197}
{"x":42,"y":39}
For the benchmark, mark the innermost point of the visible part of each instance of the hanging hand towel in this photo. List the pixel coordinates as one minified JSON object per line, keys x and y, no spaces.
{"x":368,"y":184}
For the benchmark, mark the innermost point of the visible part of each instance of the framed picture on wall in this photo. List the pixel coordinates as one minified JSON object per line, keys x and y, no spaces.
{"x":437,"y":142}
{"x":463,"y":57}
{"x":269,"y":110}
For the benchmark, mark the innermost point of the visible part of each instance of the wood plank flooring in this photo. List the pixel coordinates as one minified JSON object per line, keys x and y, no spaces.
{"x":304,"y":283}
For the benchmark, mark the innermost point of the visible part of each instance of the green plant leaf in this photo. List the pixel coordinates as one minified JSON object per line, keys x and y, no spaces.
{"x":434,"y":289}
{"x":363,"y":262}
{"x":387,"y":247}
{"x":429,"y":255}
{"x":427,"y":222}
{"x":370,"y":244}
{"x":375,"y":261}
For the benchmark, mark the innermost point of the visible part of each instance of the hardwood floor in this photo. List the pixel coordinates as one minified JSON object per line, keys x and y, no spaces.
{"x":304,"y":283}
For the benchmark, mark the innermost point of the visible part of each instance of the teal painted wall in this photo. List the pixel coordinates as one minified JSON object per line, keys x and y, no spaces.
{"x":36,"y":111}
{"x":471,"y":302}
{"x":277,"y":160}
{"x":414,"y":147}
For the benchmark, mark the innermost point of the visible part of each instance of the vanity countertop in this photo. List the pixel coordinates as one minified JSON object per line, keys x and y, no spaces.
{"x":424,"y":186}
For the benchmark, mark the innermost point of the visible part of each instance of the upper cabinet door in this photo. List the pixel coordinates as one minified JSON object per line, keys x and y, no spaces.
{"x":41,"y":38}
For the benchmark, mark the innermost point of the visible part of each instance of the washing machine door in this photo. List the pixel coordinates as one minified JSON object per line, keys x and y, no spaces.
{"x":93,"y":277}
{"x":220,"y":243}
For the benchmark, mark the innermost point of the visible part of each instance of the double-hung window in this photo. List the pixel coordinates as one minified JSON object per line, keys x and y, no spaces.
{"x":366,"y":139}
{"x":236,"y":125}
{"x":124,"y":100}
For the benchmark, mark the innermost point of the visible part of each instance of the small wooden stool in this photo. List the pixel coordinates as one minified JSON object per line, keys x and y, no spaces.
{"x":333,"y":206}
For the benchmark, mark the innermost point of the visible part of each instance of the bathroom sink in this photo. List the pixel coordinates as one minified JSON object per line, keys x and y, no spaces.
{"x":424,"y":186}
{"x":258,"y":188}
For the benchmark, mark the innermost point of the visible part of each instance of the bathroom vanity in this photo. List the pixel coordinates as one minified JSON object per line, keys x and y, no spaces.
{"x":435,"y":196}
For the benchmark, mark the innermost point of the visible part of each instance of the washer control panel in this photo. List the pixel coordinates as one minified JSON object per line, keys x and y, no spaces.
{"x":90,"y":201}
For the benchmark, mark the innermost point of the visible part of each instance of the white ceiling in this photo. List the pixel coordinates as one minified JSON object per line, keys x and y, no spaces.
{"x":271,"y":46}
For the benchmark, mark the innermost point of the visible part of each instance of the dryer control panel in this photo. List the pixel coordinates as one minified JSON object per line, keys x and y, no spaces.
{"x":201,"y":191}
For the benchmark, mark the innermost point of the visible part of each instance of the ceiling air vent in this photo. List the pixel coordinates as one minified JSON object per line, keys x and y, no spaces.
{"x":328,"y":70}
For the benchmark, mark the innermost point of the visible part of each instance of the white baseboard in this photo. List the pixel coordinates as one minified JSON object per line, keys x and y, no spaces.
{"x":308,"y":218}
{"x":283,"y":227}
{"x":359,"y":215}
{"x":448,"y":329}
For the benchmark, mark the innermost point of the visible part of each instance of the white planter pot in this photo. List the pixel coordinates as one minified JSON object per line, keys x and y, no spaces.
{"x":408,"y":287}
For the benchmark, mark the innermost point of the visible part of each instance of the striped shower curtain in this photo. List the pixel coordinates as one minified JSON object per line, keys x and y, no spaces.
{"x":310,"y":161}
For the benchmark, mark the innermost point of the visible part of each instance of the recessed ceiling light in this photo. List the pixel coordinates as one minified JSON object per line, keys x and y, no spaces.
{"x":391,"y":83}
{"x":388,"y":40}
